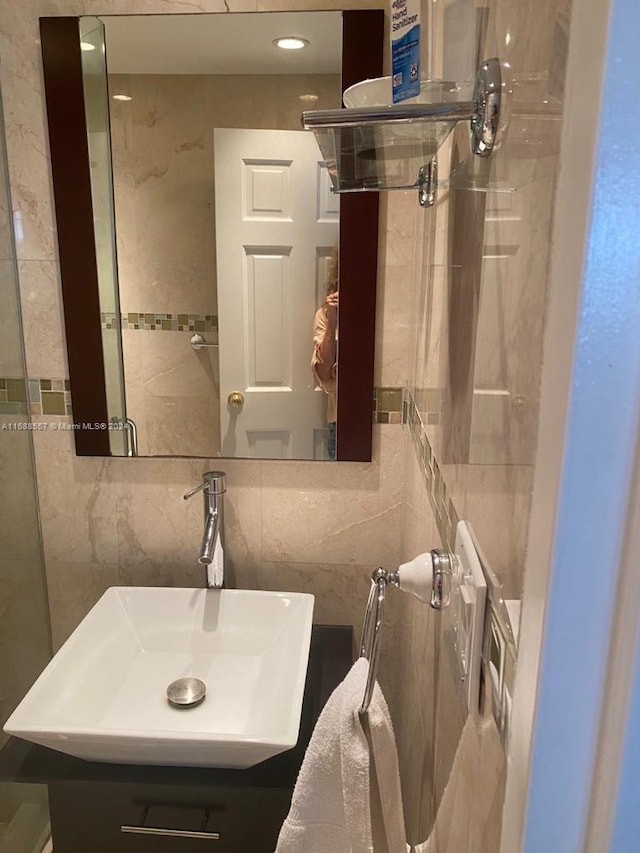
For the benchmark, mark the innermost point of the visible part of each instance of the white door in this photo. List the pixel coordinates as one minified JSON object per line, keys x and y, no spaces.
{"x":276,"y":225}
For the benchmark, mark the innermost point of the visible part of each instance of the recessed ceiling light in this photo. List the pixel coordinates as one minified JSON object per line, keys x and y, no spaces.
{"x":86,"y":45}
{"x":310,"y":98}
{"x":291,"y":43}
{"x":121,"y":98}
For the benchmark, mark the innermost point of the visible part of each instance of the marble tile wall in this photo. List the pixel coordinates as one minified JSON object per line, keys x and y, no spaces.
{"x":302,"y":526}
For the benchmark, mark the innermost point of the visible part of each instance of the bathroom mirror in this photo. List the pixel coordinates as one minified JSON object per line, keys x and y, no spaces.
{"x":199,"y":239}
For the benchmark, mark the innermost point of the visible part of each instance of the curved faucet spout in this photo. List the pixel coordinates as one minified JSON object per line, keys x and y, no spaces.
{"x":207,"y":548}
{"x":212,"y":554}
{"x":212,"y":550}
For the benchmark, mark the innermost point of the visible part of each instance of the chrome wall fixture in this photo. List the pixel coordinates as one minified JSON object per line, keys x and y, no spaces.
{"x":427,"y":183}
{"x":199,"y":342}
{"x":370,"y":641}
{"x":132,"y":436}
{"x":442,"y":580}
{"x":428,"y":577}
{"x":130,"y":430}
{"x":212,"y":551}
{"x":487,"y":98}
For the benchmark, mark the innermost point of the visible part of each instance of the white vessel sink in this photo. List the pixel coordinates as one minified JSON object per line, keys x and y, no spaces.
{"x":103,"y":696}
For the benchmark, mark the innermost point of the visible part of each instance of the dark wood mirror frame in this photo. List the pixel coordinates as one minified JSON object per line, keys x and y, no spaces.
{"x":362,"y":48}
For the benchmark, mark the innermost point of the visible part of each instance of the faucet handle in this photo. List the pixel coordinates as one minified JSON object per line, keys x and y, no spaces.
{"x":194,"y":491}
{"x":213,"y":482}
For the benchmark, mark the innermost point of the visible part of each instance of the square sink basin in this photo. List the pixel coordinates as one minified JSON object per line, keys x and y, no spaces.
{"x":103,"y":697}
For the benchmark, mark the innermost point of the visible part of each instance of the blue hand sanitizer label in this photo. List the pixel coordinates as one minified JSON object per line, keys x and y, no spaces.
{"x":405,"y":49}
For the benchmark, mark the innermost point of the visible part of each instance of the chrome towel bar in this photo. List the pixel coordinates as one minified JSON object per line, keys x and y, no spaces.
{"x":370,"y":642}
{"x":198,"y":342}
{"x":427,"y":577}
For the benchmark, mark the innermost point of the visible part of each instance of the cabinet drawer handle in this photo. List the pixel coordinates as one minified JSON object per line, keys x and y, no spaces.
{"x":142,"y":829}
{"x":172,"y":833}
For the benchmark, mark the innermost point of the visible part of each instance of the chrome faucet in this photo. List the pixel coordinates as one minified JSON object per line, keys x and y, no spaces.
{"x":212,"y":554}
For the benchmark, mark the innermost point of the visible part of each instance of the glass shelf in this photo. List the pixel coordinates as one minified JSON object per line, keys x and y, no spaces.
{"x":385,"y":153}
{"x":382,"y":148}
{"x":393,"y":147}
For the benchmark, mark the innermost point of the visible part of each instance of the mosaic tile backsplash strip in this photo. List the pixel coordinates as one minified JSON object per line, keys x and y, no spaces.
{"x":387,"y":405}
{"x":50,"y":396}
{"x":53,"y":397}
{"x":13,"y":397}
{"x":445,"y":513}
{"x":162,"y":322}
{"x":45,"y":396}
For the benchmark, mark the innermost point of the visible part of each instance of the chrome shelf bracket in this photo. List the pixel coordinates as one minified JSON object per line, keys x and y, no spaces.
{"x":427,"y":183}
{"x":487,"y":96}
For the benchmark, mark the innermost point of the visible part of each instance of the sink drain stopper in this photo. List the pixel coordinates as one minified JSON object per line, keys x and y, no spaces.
{"x":186,"y":692}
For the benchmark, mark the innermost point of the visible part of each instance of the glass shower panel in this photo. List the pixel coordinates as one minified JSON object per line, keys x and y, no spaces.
{"x":25,"y":645}
{"x":484,"y":429}
{"x":468,"y":769}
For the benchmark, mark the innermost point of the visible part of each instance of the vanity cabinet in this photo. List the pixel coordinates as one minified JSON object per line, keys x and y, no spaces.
{"x":116,"y":808}
{"x":103,"y":818}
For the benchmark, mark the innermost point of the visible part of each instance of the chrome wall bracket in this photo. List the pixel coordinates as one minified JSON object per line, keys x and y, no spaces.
{"x":441,"y":579}
{"x":198,"y":342}
{"x":487,"y":97}
{"x":130,"y":431}
{"x":428,"y":183}
{"x":428,"y":577}
{"x":442,"y":562}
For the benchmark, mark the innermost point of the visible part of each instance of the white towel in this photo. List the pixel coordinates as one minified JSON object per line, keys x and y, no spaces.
{"x":335,"y":792}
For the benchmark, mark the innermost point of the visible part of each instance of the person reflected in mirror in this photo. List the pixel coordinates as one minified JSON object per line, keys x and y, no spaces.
{"x":324,"y":362}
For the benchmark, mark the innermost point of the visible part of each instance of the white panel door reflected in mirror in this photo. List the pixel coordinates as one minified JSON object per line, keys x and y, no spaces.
{"x":274,"y":246}
{"x":193,"y":255}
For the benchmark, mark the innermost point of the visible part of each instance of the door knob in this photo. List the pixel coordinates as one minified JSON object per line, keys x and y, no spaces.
{"x":235,"y":400}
